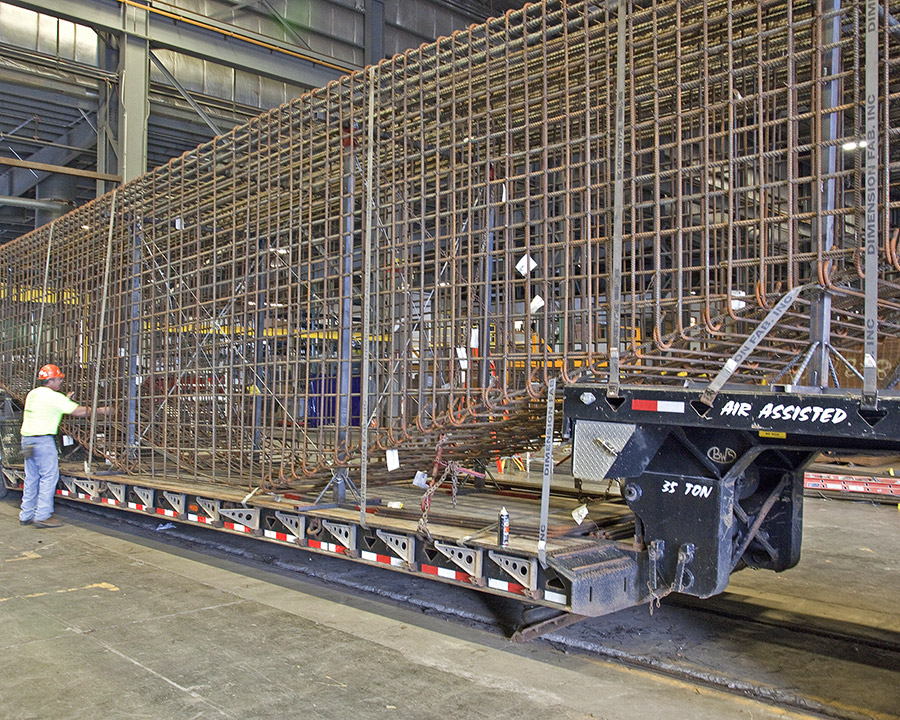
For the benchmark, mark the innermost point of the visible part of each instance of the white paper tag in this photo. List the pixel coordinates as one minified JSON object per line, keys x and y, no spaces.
{"x":463,"y":358}
{"x":473,"y":338}
{"x":67,"y":441}
{"x":420,"y":480}
{"x":579,"y":514}
{"x":537,"y":303}
{"x":393,"y":459}
{"x":525,"y":265}
{"x":395,"y":505}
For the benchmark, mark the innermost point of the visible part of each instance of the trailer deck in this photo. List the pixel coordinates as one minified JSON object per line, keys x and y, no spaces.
{"x":459,"y":544}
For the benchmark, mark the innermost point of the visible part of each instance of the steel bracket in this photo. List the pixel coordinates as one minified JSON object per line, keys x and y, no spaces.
{"x":469,"y":560}
{"x":117,"y":490}
{"x":69,"y":482}
{"x":176,"y":500}
{"x":295,"y":523}
{"x":655,"y":553}
{"x":344,"y":534}
{"x":10,"y":477}
{"x":91,"y":487}
{"x":403,"y":546}
{"x":210,"y":507}
{"x":145,"y":494}
{"x":249,"y":517}
{"x":522,"y":570}
{"x":684,"y":578}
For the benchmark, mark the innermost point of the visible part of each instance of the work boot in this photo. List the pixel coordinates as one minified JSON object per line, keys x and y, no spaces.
{"x":48,"y":523}
{"x":25,"y":522}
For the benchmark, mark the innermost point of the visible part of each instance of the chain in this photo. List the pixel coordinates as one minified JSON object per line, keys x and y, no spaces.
{"x":451,"y":471}
{"x":656,"y":597}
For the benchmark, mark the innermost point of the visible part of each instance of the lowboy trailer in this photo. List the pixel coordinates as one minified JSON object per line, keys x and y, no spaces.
{"x":712,"y":488}
{"x":686,"y":215}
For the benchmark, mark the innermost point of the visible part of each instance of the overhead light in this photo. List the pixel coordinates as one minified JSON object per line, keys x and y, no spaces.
{"x":853,"y":145}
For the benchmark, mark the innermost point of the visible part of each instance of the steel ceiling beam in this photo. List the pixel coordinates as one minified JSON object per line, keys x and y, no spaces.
{"x":185,"y":94}
{"x":202,"y":37}
{"x":32,"y":204}
{"x":20,"y":180}
{"x":61,"y":169}
{"x":31,"y":85}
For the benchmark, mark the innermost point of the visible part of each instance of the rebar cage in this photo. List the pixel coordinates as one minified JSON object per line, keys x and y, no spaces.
{"x":419,"y":247}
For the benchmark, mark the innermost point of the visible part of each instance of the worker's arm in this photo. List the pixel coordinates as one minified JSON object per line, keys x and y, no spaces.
{"x":85,"y":411}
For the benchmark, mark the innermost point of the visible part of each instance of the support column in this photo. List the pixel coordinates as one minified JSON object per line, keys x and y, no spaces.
{"x":107,"y":118}
{"x":374,"y":32}
{"x":820,"y":315}
{"x":55,"y":187}
{"x":134,"y":86}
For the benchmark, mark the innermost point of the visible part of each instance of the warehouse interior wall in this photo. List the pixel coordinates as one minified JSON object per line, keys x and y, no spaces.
{"x":99,"y":91}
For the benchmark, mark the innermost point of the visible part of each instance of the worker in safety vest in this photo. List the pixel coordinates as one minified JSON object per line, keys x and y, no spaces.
{"x":44,"y":408}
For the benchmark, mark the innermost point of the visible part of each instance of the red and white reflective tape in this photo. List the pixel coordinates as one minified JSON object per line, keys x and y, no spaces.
{"x":509,"y":587}
{"x":109,"y":501}
{"x":379,"y":558}
{"x":447,"y":573}
{"x":282,"y":537}
{"x":659,"y":406}
{"x":237,"y":527}
{"x":200,"y":519}
{"x":852,"y":484}
{"x":66,"y":493}
{"x":554,"y":597}
{"x":83,"y":496}
{"x":167,"y":513}
{"x":328,"y":547}
{"x":138,"y":506}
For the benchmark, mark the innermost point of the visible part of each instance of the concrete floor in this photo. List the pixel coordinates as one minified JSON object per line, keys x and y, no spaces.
{"x":96,"y":623}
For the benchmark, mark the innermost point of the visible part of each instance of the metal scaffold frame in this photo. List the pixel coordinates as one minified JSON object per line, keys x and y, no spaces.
{"x":574,"y":190}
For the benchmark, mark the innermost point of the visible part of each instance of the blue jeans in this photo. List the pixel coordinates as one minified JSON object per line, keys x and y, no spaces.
{"x":41,"y":477}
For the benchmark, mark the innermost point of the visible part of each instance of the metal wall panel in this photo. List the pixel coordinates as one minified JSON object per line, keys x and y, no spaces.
{"x":27,"y":29}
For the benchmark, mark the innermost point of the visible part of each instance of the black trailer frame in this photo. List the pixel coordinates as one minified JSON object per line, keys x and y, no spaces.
{"x":716,"y":484}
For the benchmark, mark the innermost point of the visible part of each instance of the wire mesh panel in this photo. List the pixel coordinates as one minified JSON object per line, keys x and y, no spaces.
{"x":454,"y":213}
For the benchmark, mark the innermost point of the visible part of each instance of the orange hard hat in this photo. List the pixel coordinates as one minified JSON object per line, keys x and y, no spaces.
{"x":48,"y":372}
